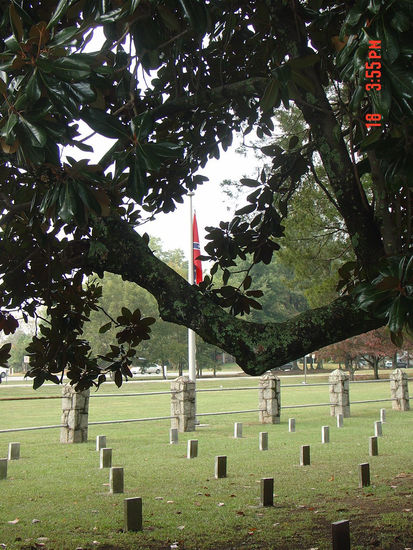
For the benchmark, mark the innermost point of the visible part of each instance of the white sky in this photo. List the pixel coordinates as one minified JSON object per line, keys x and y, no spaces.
{"x":209,"y":202}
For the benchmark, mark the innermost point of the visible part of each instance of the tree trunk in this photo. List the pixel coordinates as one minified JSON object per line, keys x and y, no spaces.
{"x":163,"y":370}
{"x":349,"y":367}
{"x":376,"y":368}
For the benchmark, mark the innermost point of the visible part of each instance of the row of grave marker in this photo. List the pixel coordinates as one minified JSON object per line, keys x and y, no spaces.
{"x":192,"y":452}
{"x":133,"y":519}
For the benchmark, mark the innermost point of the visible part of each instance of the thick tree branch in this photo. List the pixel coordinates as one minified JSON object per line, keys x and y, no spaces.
{"x":257,"y":347}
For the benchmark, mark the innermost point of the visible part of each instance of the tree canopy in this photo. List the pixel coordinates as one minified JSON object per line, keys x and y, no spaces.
{"x":172,"y":84}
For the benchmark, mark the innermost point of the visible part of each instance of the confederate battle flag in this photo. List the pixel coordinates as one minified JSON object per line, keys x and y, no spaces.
{"x":197,"y":262}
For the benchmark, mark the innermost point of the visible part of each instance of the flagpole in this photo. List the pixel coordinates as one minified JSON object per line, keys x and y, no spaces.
{"x":191,"y":333}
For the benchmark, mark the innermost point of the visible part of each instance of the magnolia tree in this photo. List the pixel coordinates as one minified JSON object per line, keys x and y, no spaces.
{"x":172,"y":83}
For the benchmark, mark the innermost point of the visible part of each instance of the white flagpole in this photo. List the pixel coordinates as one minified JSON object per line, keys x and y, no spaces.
{"x":191,"y":333}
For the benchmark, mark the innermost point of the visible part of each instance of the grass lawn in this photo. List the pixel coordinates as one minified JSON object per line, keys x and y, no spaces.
{"x":184,"y":507}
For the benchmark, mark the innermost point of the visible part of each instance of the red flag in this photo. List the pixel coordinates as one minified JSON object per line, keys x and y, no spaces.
{"x":197,"y":263}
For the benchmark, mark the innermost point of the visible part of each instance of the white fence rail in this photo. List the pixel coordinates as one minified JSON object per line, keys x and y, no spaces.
{"x":221,"y":389}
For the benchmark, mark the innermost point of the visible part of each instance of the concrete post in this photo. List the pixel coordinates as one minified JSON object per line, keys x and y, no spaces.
{"x":116,"y":480}
{"x":105,"y":457}
{"x":220,"y":467}
{"x":132,"y":510}
{"x":378,"y":429}
{"x":305,"y":455}
{"x":238,"y":430}
{"x":100,"y":442}
{"x":3,"y":468}
{"x":192,"y":448}
{"x":75,"y":411}
{"x":373,"y":446}
{"x":14,"y":451}
{"x":173,"y":436}
{"x":263,"y":441}
{"x":340,"y":532}
{"x":269,"y":399}
{"x":364,"y":475}
{"x":267,"y":491}
{"x":183,"y":404}
{"x":399,"y":390}
{"x":339,"y":393}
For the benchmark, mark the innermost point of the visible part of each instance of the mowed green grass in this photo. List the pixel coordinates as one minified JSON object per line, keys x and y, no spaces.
{"x":63,"y":487}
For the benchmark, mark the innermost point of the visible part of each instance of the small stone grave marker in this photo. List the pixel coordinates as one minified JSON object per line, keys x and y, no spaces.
{"x":133,"y":514}
{"x":238,"y":430}
{"x":263,"y":440}
{"x":105,"y":457}
{"x":192,"y":450}
{"x":220,"y":466}
{"x":373,"y":446}
{"x":340,"y":532}
{"x":116,"y":480}
{"x":173,"y":436}
{"x":325,"y":434}
{"x":364,"y":474}
{"x":291,"y":424}
{"x":339,"y":420}
{"x":305,"y":455}
{"x":267,"y":491}
{"x":3,"y":468}
{"x":14,"y":451}
{"x":378,"y":429}
{"x":100,"y":442}
{"x":383,"y":415}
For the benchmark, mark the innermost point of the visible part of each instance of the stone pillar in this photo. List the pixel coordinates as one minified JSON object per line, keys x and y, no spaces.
{"x":269,"y":399}
{"x":339,"y":393}
{"x":75,"y":411}
{"x":399,"y":390}
{"x":183,"y":404}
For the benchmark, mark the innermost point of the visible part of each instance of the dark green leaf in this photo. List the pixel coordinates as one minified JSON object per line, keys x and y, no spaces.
{"x":294,"y":140}
{"x":70,"y":68}
{"x":271,"y":95}
{"x":118,"y":378}
{"x":58,"y":12}
{"x":167,"y":150}
{"x":105,"y":328}
{"x":246,"y":210}
{"x":196,"y":12}
{"x":400,"y":21}
{"x":64,"y":37}
{"x":353,"y":16}
{"x":105,"y":124}
{"x":249,"y":182}
{"x":390,"y":44}
{"x":16,"y":23}
{"x":33,"y":91}
{"x":36,"y":134}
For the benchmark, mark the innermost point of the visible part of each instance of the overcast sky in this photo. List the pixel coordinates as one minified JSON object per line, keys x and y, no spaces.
{"x":210,"y":203}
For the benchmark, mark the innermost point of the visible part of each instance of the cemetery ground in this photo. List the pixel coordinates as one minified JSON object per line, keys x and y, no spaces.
{"x":56,"y":496}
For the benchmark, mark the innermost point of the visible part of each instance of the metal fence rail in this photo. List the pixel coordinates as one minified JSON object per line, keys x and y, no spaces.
{"x":142,"y":394}
{"x":32,"y":428}
{"x":228,"y":412}
{"x":130,"y":420}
